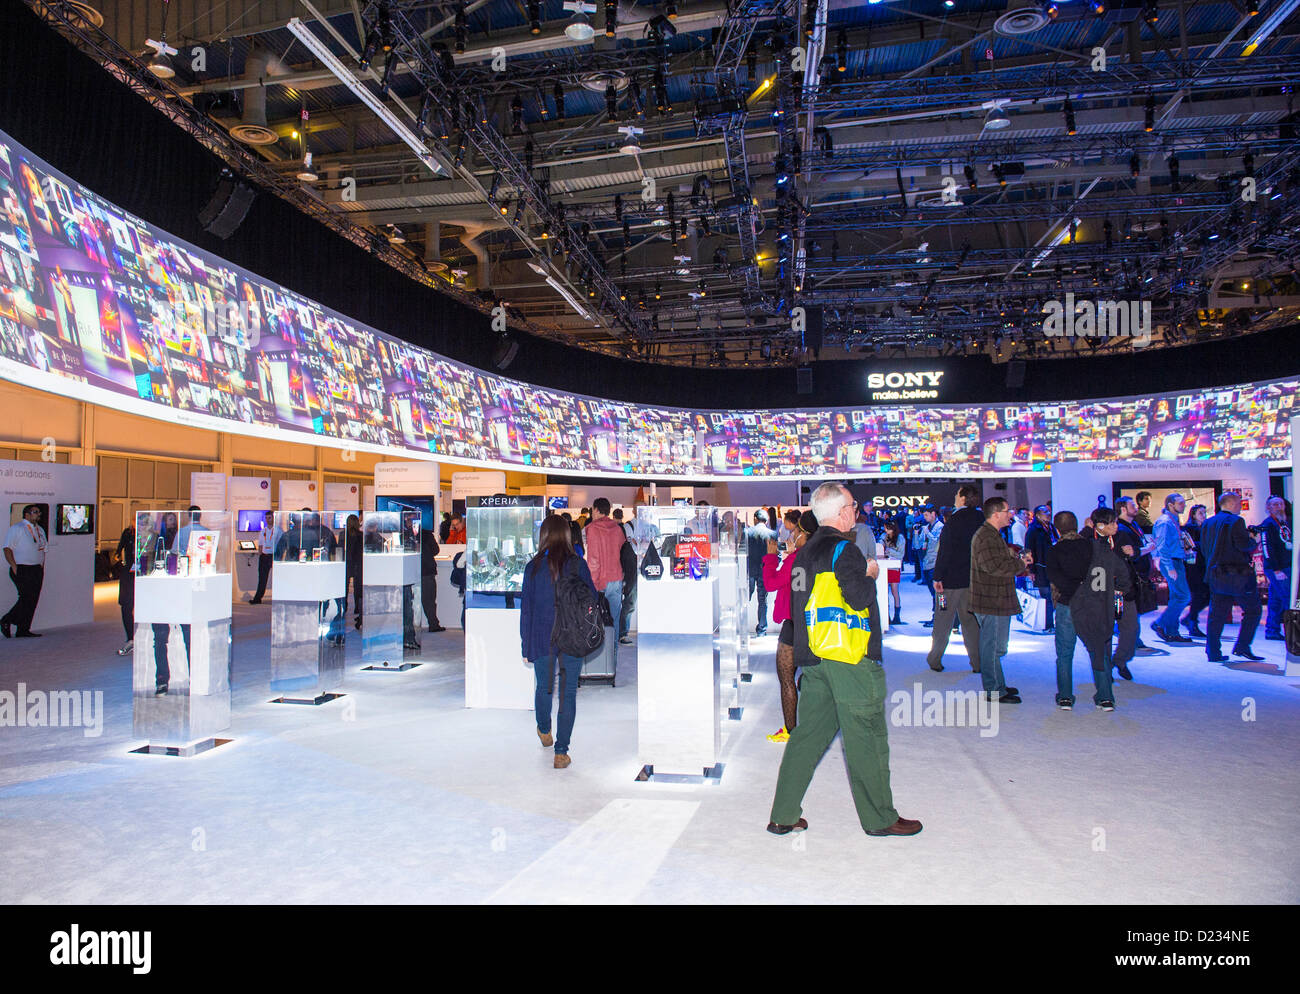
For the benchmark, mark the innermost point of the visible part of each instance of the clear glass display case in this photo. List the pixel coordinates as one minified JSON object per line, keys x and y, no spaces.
{"x":685,"y":539}
{"x":182,"y":543}
{"x":390,"y":532}
{"x":390,"y":569}
{"x":307,"y":537}
{"x":500,"y":541}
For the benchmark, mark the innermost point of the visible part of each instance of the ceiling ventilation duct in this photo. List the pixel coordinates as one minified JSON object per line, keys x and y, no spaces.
{"x":252,"y":128}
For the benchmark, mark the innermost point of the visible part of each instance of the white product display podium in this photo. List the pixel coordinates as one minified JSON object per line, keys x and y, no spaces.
{"x":449,"y":602}
{"x":679,"y":731}
{"x":181,"y":667}
{"x":307,"y":630}
{"x":389,"y":587}
{"x":496,"y":674}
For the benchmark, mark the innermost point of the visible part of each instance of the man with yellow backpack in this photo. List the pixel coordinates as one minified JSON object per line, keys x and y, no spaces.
{"x":837,"y":642}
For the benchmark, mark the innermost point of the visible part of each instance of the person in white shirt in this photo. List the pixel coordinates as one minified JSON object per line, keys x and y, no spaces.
{"x":1019,"y":526}
{"x":25,"y":551}
{"x":265,"y":549}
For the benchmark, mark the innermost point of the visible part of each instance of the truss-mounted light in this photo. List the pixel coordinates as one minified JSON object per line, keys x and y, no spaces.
{"x":160,"y":63}
{"x":996,"y":119}
{"x":345,"y":76}
{"x":579,"y":28}
{"x":631,"y":143}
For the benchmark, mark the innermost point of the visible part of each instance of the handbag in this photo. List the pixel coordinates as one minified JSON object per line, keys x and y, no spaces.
{"x":1291,"y":629}
{"x":606,"y":614}
{"x":1144,"y":593}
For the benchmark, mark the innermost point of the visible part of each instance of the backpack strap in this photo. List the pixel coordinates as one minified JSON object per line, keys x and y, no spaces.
{"x":835,"y":558}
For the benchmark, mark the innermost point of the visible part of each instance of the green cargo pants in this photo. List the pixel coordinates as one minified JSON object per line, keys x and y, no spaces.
{"x":837,"y":697}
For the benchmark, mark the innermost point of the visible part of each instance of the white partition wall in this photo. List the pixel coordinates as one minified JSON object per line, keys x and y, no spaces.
{"x":67,"y":594}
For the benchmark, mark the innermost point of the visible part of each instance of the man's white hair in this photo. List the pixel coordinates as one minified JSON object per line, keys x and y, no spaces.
{"x":827,"y":500}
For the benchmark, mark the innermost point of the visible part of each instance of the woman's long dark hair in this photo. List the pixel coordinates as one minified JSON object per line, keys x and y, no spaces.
{"x":555,"y":544}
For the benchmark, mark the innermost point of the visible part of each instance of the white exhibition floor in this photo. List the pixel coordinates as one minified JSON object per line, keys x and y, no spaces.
{"x":396,"y":793}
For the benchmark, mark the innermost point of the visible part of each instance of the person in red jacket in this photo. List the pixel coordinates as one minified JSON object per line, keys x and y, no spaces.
{"x":776,"y":578}
{"x":603,"y":542}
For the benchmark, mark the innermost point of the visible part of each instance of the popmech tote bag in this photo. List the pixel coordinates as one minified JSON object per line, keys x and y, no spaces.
{"x":835,"y":630}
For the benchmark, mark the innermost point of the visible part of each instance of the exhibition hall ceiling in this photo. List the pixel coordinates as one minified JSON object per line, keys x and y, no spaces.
{"x":769,"y":181}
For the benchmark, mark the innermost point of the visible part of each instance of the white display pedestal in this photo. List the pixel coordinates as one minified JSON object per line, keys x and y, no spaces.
{"x":496,"y":675}
{"x":182,"y":644}
{"x":731,"y":621}
{"x":884,"y":605}
{"x":391,"y":580}
{"x":679,"y":731}
{"x":307,"y":631}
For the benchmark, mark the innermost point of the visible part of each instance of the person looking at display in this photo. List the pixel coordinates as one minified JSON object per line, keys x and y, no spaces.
{"x":994,"y":566}
{"x":604,"y":540}
{"x":1194,"y":560}
{"x":931,"y":532}
{"x":353,"y":558}
{"x":25,"y":545}
{"x":1126,"y":509}
{"x":429,"y":550}
{"x":895,"y":549}
{"x":1142,"y":511}
{"x":863,"y":537}
{"x":1230,"y":572}
{"x":555,"y":559}
{"x":757,"y":538}
{"x":952,"y":580}
{"x":1168,"y":558}
{"x":1020,"y":525}
{"x":456,"y":534}
{"x":1275,"y":544}
{"x":842,"y":696}
{"x":126,"y":586}
{"x":169,"y":543}
{"x":777,"y":570}
{"x":1040,"y":536}
{"x":265,"y":556}
{"x":444,"y":529}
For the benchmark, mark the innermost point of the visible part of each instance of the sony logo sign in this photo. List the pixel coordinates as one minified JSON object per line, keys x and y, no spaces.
{"x":878,"y":381}
{"x":892,"y":501}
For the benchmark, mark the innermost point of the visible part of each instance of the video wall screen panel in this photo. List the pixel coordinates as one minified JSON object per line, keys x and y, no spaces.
{"x":98,"y":305}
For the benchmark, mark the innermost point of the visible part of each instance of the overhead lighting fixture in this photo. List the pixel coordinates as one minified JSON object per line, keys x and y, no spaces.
{"x":611,"y":18}
{"x":1097,"y":7}
{"x":1134,"y":165}
{"x":1068,"y":110}
{"x":670,"y":10}
{"x":517,"y":114}
{"x":1149,"y":114}
{"x":631,"y":144}
{"x":160,"y":63}
{"x":969,"y":170}
{"x":1174,"y":178}
{"x":557,"y":92}
{"x":307,"y":174}
{"x":841,"y":51}
{"x":331,"y":62}
{"x":611,"y":101}
{"x":461,"y":28}
{"x":395,"y":236}
{"x":996,"y":119}
{"x":579,"y":28}
{"x":534,"y":17}
{"x":1151,"y":12}
{"x":1050,"y":9}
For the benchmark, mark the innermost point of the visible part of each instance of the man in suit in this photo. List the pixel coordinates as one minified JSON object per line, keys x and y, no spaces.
{"x":1230,"y":571}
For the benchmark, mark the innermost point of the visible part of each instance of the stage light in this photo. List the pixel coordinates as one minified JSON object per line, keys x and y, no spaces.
{"x":461,"y":29}
{"x":1174,"y":179}
{"x":969,"y":170}
{"x":631,"y":143}
{"x":996,"y":119}
{"x":517,"y":114}
{"x":579,"y":28}
{"x":659,"y":290}
{"x":1134,"y":165}
{"x":670,"y":10}
{"x":809,"y":18}
{"x":842,"y":51}
{"x":998,"y":174}
{"x":1097,"y":7}
{"x":782,"y":175}
{"x":496,"y":186}
{"x":307,"y":174}
{"x":611,"y":101}
{"x":1068,"y":110}
{"x":1050,"y":9}
{"x":1151,"y":12}
{"x":1252,"y":8}
{"x":1248,"y":164}
{"x":395,"y":236}
{"x":1149,"y":114}
{"x":558,"y":92}
{"x":160,"y":63}
{"x":611,"y":18}
{"x":534,"y":17}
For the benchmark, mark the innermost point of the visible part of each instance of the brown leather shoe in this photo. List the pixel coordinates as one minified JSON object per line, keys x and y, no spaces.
{"x":904,"y":826}
{"x":562,"y":760}
{"x":547,"y":738}
{"x":800,"y":826}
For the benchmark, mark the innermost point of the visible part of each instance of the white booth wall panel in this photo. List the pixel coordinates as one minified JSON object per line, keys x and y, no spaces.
{"x":67,"y":594}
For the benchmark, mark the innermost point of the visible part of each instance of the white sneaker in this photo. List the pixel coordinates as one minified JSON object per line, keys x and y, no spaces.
{"x":127,"y":649}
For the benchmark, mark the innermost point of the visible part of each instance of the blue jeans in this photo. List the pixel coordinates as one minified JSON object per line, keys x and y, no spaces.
{"x":1065,"y":639}
{"x":1180,"y":595}
{"x":625,"y":615}
{"x":1279,"y":593}
{"x":544,"y":675}
{"x":995,"y":629}
{"x":756,"y":583}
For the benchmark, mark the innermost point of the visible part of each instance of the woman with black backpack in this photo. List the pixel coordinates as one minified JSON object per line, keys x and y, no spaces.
{"x":556,"y":572}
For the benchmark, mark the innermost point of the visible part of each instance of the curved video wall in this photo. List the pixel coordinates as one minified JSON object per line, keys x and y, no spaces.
{"x":98,"y":305}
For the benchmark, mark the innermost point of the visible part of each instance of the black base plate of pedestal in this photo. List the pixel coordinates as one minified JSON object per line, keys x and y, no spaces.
{"x":735,"y":713}
{"x":746,"y":677}
{"x":322,"y":699}
{"x":711,"y":774}
{"x":183,"y":751}
{"x":597,"y":678}
{"x":390,"y":669}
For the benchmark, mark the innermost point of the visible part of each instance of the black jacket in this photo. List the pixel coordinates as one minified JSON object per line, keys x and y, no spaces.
{"x":1226,"y":542}
{"x":1276,"y":544}
{"x":850,"y":570}
{"x":1038,"y":542}
{"x":429,"y":549}
{"x":1092,"y":605}
{"x":756,"y":539}
{"x":1067,"y":565}
{"x":952,"y":564}
{"x":1139,"y":537}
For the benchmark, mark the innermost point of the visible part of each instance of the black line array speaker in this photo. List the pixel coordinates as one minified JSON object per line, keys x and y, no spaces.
{"x":226,"y":211}
{"x":803,"y":379}
{"x":1015,"y":374}
{"x":504,"y":354}
{"x":812,"y":335}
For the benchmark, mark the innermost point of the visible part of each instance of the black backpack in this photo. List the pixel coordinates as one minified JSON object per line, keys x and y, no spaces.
{"x":578,"y":630}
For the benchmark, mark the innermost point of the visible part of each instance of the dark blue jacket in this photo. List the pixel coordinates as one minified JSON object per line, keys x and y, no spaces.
{"x":537,"y":614}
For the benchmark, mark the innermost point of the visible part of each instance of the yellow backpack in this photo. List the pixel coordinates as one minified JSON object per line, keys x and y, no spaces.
{"x":835,"y":630}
